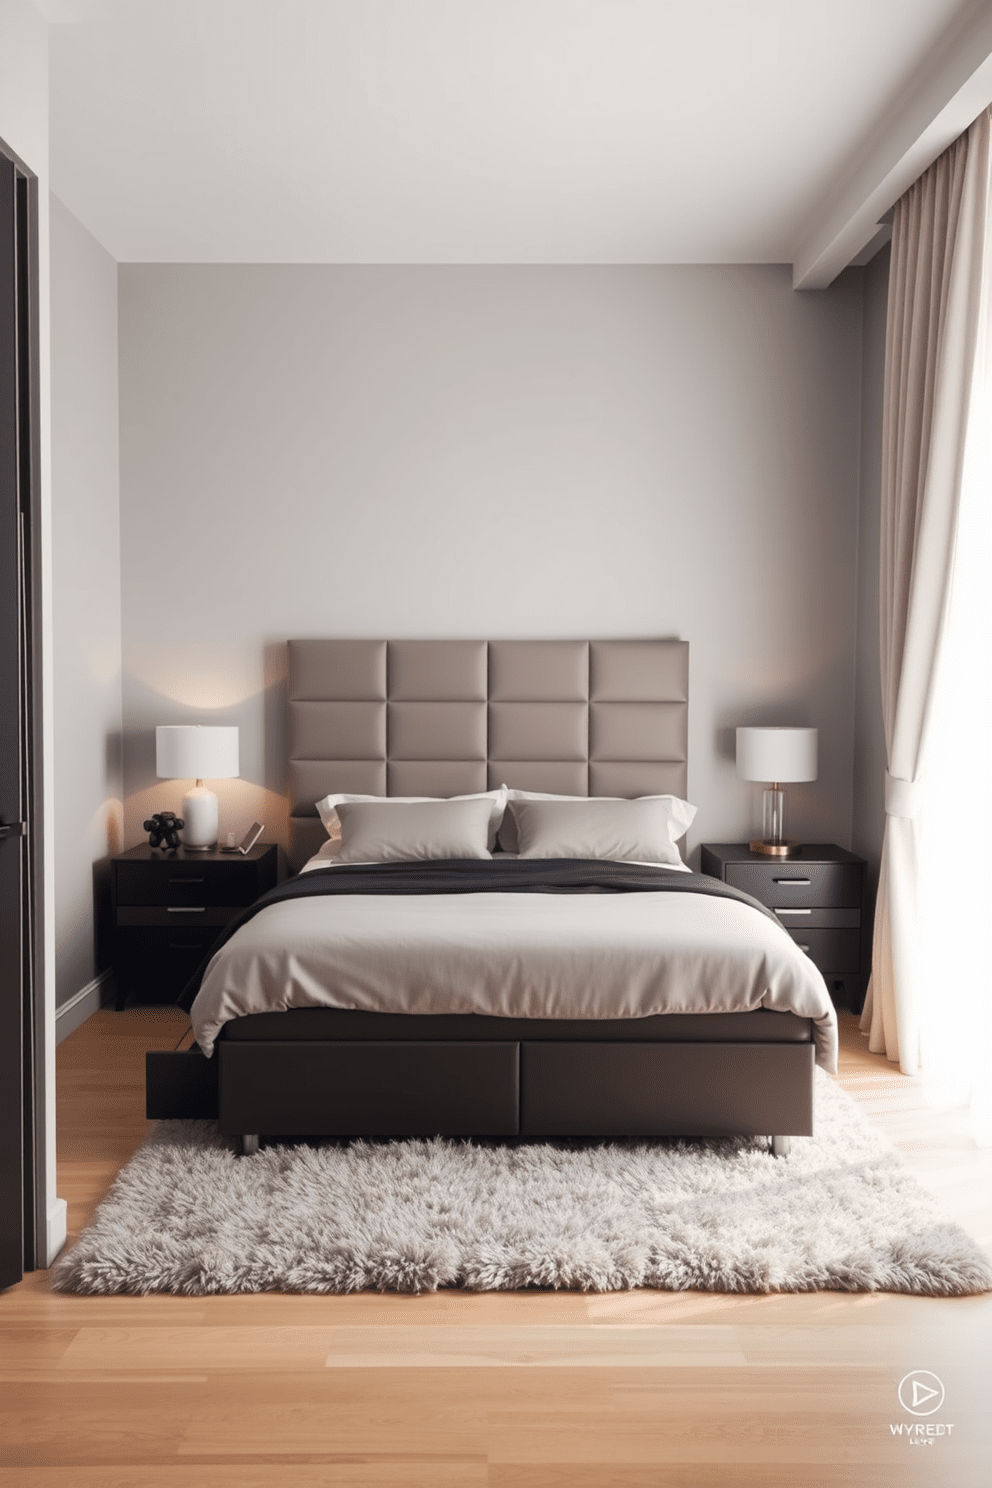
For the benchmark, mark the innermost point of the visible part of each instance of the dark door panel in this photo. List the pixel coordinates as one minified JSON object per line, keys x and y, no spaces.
{"x":18,"y":862}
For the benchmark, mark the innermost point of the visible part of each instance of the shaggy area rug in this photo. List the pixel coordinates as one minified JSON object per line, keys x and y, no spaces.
{"x":842,"y":1212}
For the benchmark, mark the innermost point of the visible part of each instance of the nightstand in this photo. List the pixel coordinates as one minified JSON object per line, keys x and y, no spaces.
{"x":818,"y":894}
{"x":169,"y":908}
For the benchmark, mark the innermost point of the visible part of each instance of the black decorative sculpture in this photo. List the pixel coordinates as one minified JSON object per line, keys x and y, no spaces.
{"x":163,"y":829}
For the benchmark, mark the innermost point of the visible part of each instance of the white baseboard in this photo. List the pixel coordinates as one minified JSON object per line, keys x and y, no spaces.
{"x":56,"y":1229}
{"x":72,"y":1014}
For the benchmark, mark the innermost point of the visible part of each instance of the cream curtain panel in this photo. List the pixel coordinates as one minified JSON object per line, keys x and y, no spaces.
{"x":940,"y":252}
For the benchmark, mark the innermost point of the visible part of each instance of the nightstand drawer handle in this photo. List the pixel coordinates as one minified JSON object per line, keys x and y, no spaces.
{"x":187,"y":878}
{"x":783,"y":910}
{"x":187,"y":909}
{"x":798,"y":883}
{"x":802,"y":947}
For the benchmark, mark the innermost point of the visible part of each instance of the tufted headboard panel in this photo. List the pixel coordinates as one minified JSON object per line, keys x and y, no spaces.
{"x":444,"y":718}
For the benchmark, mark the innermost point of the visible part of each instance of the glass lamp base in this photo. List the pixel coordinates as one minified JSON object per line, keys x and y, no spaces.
{"x":773,"y":840}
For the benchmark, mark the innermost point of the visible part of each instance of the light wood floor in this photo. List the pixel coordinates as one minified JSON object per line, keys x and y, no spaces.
{"x":658,"y":1390}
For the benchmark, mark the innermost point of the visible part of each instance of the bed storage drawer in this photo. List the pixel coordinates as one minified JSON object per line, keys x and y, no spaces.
{"x":180,"y":1086}
{"x":365,"y":1089}
{"x":631,"y":1090}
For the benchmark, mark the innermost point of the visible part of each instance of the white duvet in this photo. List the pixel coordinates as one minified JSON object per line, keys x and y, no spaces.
{"x":627,"y":955}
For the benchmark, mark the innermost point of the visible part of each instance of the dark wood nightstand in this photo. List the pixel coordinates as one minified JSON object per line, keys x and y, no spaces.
{"x":818,"y":894}
{"x":169,"y":908}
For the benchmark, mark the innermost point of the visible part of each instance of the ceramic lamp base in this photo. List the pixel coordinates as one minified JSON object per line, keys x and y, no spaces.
{"x":202,"y":818}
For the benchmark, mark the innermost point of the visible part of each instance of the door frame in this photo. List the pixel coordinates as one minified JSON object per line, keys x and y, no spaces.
{"x":35,"y":1116}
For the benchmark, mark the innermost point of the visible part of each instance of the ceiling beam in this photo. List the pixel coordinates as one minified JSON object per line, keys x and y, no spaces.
{"x":946,"y":93}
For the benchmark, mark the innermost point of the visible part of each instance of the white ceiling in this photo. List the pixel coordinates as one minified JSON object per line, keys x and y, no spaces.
{"x":496,"y":131}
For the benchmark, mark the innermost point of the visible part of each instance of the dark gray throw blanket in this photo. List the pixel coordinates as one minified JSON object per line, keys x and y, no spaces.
{"x":479,"y":876}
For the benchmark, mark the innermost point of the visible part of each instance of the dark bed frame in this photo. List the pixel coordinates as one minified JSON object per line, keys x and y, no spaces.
{"x":441,"y":718}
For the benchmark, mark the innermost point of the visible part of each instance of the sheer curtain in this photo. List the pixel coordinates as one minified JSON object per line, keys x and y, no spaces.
{"x":955,"y":815}
{"x":933,"y":426}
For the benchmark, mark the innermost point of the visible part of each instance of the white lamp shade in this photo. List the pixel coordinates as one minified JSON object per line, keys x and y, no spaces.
{"x":196,"y":752}
{"x":776,"y":754}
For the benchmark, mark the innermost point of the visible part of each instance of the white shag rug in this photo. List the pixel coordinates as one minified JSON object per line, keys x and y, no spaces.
{"x":842,"y":1212}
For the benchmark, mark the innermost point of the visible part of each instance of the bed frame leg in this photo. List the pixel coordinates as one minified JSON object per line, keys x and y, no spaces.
{"x":249,"y":1144}
{"x":781,"y":1146}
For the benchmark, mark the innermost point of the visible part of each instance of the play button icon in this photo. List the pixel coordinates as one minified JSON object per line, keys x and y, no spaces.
{"x":921,"y":1393}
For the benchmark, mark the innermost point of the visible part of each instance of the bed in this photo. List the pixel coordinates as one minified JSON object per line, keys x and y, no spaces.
{"x":310,"y":1028}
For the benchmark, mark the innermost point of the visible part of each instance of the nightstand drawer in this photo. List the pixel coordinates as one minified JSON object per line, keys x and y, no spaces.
{"x":823,"y":886}
{"x":175,"y":915}
{"x":799,"y":918}
{"x":837,"y":951}
{"x":184,"y":882}
{"x":154,"y":965}
{"x":156,"y":941}
{"x":169,"y":909}
{"x":782,"y":883}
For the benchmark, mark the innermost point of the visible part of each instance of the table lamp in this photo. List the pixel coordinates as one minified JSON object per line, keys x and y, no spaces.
{"x":195,"y":751}
{"x":775,"y":755}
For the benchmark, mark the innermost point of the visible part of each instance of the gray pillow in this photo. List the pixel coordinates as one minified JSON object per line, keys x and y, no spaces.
{"x":398,"y":831}
{"x":508,"y":828}
{"x":327,"y":808}
{"x":624,"y":831}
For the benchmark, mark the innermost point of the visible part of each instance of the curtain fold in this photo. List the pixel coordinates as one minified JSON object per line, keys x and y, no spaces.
{"x":939,"y":242}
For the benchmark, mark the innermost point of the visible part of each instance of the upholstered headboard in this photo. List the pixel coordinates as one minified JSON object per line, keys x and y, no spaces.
{"x":444,"y":718}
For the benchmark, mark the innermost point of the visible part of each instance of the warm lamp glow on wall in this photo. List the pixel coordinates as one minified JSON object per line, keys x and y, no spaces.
{"x":197,"y":752}
{"x":775,"y":755}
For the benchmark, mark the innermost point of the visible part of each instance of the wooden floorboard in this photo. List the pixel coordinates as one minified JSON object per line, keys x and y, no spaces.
{"x":638,"y":1389}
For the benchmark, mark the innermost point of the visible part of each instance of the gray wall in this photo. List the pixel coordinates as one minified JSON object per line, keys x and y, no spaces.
{"x":869,"y":737}
{"x":85,"y":595}
{"x":490,"y":452}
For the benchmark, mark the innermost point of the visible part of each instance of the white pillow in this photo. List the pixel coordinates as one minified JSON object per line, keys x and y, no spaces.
{"x":327,"y":808}
{"x":412,"y":831}
{"x":680,"y":813}
{"x":624,"y":831}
